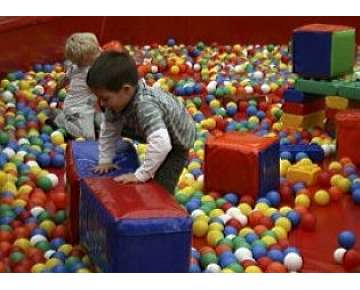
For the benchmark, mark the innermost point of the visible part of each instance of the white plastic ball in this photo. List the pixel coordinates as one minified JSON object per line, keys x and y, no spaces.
{"x":339,"y":255}
{"x":54,"y":179}
{"x":48,"y":254}
{"x":242,"y":254}
{"x":154,"y":69}
{"x":9,"y":152}
{"x":196,"y":213}
{"x":258,"y":75}
{"x":233,"y":211}
{"x":239,"y":68}
{"x":225,"y":218}
{"x":36,"y":239}
{"x":32,"y":163}
{"x":333,"y":148}
{"x":231,"y":236}
{"x":213,"y":268}
{"x":293,"y":262}
{"x":23,"y":141}
{"x":39,"y":90}
{"x":327,"y":149}
{"x":8,"y":96}
{"x":37,"y":210}
{"x":241,"y":218}
{"x":265,"y":88}
{"x":197,"y":67}
{"x":249,"y":90}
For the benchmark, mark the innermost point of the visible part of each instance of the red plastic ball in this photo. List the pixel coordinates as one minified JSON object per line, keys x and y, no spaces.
{"x":254,"y":218}
{"x":335,"y":193}
{"x":308,"y":222}
{"x":352,"y":261}
{"x":264,"y":262}
{"x":323,"y":179}
{"x":276,"y":267}
{"x":247,"y":199}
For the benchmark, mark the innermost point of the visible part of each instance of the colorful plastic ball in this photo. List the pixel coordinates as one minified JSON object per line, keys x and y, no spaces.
{"x":59,"y":268}
{"x":44,"y":183}
{"x":302,"y":200}
{"x":339,"y":255}
{"x":286,"y":155}
{"x":214,"y":237}
{"x":321,"y":197}
{"x":200,"y":228}
{"x":232,"y":198}
{"x":274,"y":198}
{"x":44,"y":160}
{"x":38,"y":268}
{"x":242,"y":254}
{"x":356,"y":196}
{"x":258,"y":251}
{"x":351,"y":261}
{"x":58,"y":161}
{"x":57,"y":138}
{"x":207,"y":259}
{"x":344,"y":184}
{"x":284,"y":223}
{"x":308,"y":222}
{"x":346,"y":239}
{"x":171,"y":42}
{"x":253,"y":269}
{"x":195,"y":268}
{"x":293,"y":262}
{"x":276,"y":255}
{"x":301,"y":155}
{"x":294,"y":217}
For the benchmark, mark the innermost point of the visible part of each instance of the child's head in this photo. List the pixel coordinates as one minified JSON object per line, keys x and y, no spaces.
{"x":113,"y":78}
{"x":82,"y":48}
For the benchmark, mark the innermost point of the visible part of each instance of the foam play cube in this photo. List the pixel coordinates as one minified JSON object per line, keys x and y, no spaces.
{"x":133,"y":227}
{"x":336,"y":102}
{"x":81,"y":157}
{"x":307,"y":121}
{"x":241,"y":163}
{"x":314,"y":151}
{"x":305,"y":108}
{"x":293,"y":95}
{"x":323,"y":51}
{"x":350,"y":90}
{"x":301,"y":172}
{"x":323,"y":87}
{"x":348,"y":134}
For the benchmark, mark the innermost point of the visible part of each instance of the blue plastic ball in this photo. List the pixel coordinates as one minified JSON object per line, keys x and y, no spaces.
{"x":171,"y":42}
{"x":276,"y":255}
{"x":251,"y":237}
{"x":290,"y":250}
{"x":294,"y":217}
{"x":229,"y":230}
{"x":231,"y":198}
{"x":356,"y":196}
{"x":298,"y":186}
{"x":274,"y":198}
{"x":258,"y":251}
{"x":194,"y":268}
{"x":209,"y":98}
{"x":56,"y":243}
{"x":59,"y":269}
{"x":346,"y":239}
{"x":286,"y":155}
{"x":251,"y":111}
{"x":301,"y":155}
{"x":58,"y":161}
{"x":44,"y":160}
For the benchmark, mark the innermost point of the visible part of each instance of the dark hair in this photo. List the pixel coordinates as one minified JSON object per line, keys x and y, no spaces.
{"x":111,"y":70}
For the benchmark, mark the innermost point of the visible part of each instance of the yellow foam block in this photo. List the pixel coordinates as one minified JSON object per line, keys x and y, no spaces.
{"x":303,"y":173}
{"x":307,"y":121}
{"x":336,"y":102}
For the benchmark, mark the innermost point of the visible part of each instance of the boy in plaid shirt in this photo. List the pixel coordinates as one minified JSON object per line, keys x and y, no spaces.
{"x":132,"y":109}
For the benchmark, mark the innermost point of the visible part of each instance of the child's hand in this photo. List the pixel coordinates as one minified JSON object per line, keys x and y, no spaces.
{"x":105,"y":168}
{"x":127,"y":178}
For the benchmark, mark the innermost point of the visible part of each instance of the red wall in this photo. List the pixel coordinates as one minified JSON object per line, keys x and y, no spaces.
{"x":27,"y":40}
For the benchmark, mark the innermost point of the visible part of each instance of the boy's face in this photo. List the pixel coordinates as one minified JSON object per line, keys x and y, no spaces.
{"x":115,"y":101}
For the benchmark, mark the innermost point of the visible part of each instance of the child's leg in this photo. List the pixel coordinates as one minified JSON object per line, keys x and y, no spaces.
{"x":80,"y":125}
{"x":169,"y":172}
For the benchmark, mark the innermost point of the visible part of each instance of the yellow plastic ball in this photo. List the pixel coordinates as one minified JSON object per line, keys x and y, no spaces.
{"x":279,"y":232}
{"x":213,"y":237}
{"x":216,"y":227}
{"x":335,"y":165}
{"x":65,"y":248}
{"x":268,"y":240}
{"x":321,"y":197}
{"x":303,"y":200}
{"x":344,"y":184}
{"x":334,"y":181}
{"x":270,"y":211}
{"x":83,"y":270}
{"x":285,"y":210}
{"x":38,"y":268}
{"x":262,"y":207}
{"x":3,"y":178}
{"x":253,"y":269}
{"x":22,"y":243}
{"x":57,"y":138}
{"x":216,"y":213}
{"x":200,"y":228}
{"x":207,"y":198}
{"x":19,"y":203}
{"x":52,"y":263}
{"x":48,"y":226}
{"x":215,"y":104}
{"x":10,"y":187}
{"x":284,"y":223}
{"x":244,"y":231}
{"x":174,"y":69}
{"x":25,"y":189}
{"x":245,"y":208}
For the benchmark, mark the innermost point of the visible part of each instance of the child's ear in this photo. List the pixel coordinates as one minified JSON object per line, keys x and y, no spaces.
{"x":129,"y":89}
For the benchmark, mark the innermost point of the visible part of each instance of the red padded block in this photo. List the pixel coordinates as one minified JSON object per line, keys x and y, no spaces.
{"x":348,"y":134}
{"x":132,"y":201}
{"x":72,"y":189}
{"x":323,"y":27}
{"x":304,"y":109}
{"x":232,"y":163}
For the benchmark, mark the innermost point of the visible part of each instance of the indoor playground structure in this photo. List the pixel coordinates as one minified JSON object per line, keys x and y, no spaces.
{"x":272,"y":183}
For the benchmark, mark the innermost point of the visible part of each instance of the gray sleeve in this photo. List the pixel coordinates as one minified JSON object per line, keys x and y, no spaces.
{"x":150,"y":118}
{"x":110,"y":132}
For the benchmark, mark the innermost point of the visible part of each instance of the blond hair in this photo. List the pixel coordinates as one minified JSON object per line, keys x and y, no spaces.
{"x":82,"y":48}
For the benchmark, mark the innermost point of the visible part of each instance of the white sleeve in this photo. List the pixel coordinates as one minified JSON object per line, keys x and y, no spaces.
{"x":159,"y":145}
{"x":109,"y":134}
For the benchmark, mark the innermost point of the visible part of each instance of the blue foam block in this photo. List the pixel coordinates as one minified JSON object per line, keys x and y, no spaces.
{"x":314,"y":151}
{"x":132,"y":242}
{"x":269,"y":169}
{"x":312,"y":53}
{"x":86,"y":156}
{"x":296,"y":96}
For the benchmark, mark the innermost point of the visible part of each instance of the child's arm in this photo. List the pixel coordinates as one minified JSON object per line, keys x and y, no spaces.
{"x":109,"y":134}
{"x":159,"y":146}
